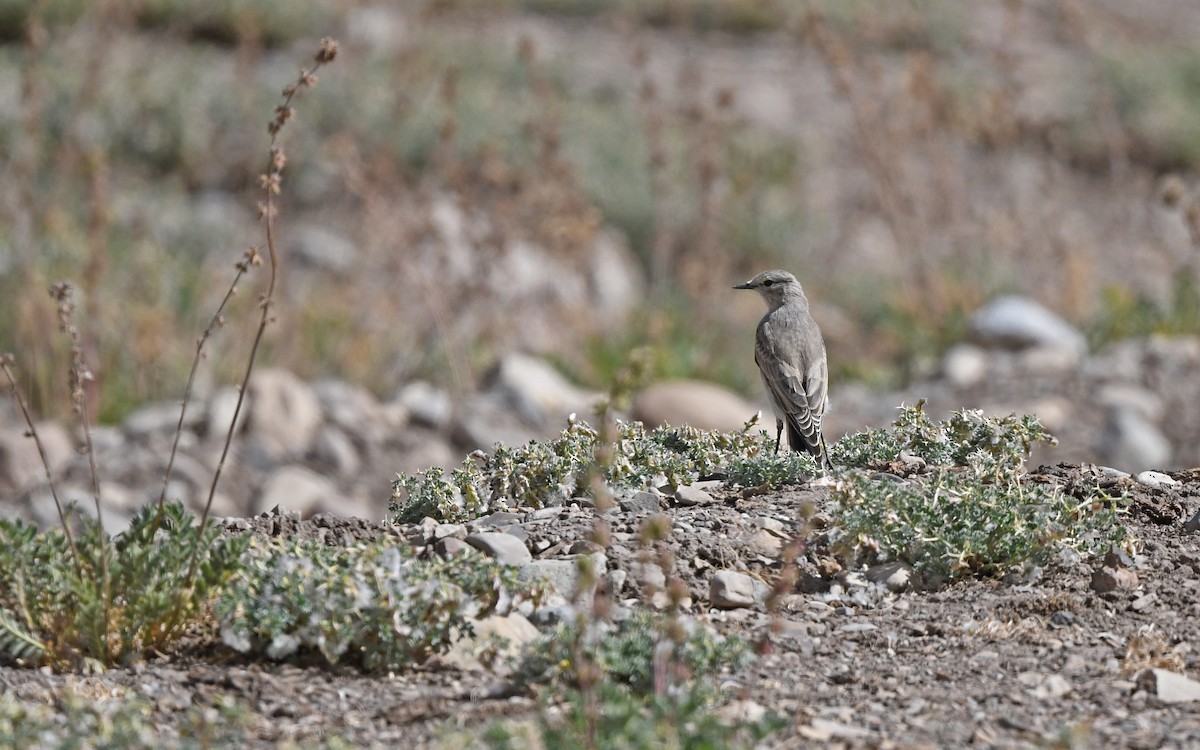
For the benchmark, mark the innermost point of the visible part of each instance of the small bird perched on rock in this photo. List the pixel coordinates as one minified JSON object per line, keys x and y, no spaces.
{"x":790,"y":355}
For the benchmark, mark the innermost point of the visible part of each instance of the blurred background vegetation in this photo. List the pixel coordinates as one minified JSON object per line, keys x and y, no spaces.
{"x":906,"y":160}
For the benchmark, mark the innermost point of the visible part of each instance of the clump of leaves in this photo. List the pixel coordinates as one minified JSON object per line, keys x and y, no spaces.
{"x":946,"y":443}
{"x":766,"y":468}
{"x":544,"y":473}
{"x":56,"y":609}
{"x":976,"y":512}
{"x":628,"y":651}
{"x":640,"y":687}
{"x":374,"y":605}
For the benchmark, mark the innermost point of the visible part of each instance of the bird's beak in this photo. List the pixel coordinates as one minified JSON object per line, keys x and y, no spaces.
{"x":747,"y":285}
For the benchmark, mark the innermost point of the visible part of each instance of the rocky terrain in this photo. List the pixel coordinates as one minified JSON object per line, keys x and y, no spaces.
{"x":1076,"y":654}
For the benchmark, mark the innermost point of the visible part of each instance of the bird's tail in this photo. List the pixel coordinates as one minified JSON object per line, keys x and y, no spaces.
{"x":797,"y":441}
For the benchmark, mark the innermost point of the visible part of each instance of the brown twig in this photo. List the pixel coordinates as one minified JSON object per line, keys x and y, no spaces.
{"x":270,"y":182}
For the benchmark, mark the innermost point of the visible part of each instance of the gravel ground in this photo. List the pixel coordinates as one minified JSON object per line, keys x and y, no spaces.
{"x":1023,"y":663}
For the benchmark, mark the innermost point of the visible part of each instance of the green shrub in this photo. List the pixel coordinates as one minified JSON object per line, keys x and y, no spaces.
{"x":58,"y":612}
{"x":542,"y":473}
{"x":375,"y":606}
{"x":975,"y":511}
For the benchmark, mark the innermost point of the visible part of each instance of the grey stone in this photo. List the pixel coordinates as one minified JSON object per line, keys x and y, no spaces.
{"x":449,"y":531}
{"x":1170,"y":687}
{"x":1193,"y":523}
{"x":562,"y":574}
{"x":451,"y":547}
{"x":1014,"y":322}
{"x":426,"y":404}
{"x":219,"y":413}
{"x":21,"y":465}
{"x":504,"y":548}
{"x":295,"y":488}
{"x":1146,"y":404}
{"x":643,"y":502}
{"x":353,"y":409}
{"x":896,"y":576}
{"x":162,"y":417}
{"x":764,"y":542}
{"x":1106,"y":579}
{"x":335,"y":450}
{"x":538,"y":392}
{"x":729,"y":589}
{"x":1131,"y":443}
{"x":703,"y":405}
{"x":688,"y":495}
{"x":284,"y":413}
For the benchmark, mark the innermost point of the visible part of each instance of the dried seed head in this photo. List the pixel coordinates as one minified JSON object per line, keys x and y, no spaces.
{"x":1172,"y":190}
{"x":327,"y":52}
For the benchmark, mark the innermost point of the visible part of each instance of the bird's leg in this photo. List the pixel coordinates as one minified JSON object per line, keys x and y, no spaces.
{"x":778,"y":434}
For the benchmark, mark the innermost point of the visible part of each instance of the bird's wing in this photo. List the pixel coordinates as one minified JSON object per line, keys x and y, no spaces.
{"x":799,"y":395}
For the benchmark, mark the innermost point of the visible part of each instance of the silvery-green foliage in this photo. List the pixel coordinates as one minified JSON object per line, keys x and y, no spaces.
{"x":373,"y":605}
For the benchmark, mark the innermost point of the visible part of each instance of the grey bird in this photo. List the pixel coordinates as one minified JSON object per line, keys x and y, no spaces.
{"x":790,"y":355}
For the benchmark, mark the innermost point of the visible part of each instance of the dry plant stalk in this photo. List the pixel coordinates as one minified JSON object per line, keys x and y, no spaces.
{"x":270,"y":182}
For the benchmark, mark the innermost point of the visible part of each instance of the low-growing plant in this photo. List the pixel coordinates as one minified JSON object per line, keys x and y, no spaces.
{"x":121,"y":723}
{"x":975,"y":511}
{"x":543,"y":473}
{"x":60,"y":611}
{"x":375,"y":605}
{"x":640,"y":685}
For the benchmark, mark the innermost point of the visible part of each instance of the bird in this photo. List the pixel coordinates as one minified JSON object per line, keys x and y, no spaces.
{"x":790,"y":355}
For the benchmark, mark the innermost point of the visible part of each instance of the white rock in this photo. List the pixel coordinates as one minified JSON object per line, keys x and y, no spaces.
{"x":1155,"y":479}
{"x":706,"y":406}
{"x":1170,"y":687}
{"x":1014,"y":322}
{"x":504,"y":548}
{"x":334,"y":449}
{"x":219,"y":413}
{"x":425,"y":403}
{"x":965,"y":365}
{"x":295,"y":488}
{"x":284,"y":413}
{"x":562,"y":573}
{"x":1147,"y":405}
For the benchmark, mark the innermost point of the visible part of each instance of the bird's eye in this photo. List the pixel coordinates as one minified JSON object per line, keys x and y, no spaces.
{"x":768,"y":282}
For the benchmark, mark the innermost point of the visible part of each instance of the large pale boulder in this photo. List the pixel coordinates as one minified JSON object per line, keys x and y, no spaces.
{"x":706,"y":406}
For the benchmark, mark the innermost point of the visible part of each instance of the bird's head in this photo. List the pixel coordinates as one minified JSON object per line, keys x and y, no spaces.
{"x":776,"y":287}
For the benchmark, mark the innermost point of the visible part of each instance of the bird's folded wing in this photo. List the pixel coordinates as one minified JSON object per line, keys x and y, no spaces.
{"x":801,"y":397}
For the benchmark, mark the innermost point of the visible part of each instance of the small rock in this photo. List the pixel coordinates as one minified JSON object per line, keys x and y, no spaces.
{"x":21,"y":465}
{"x":964,"y":365}
{"x":1013,"y":322}
{"x":449,"y":530}
{"x":426,"y":404}
{"x":284,"y":413}
{"x":1170,"y":687}
{"x":335,"y":450}
{"x":1130,"y":442}
{"x":1155,"y":479}
{"x":1193,"y":523}
{"x":765,"y":543}
{"x":896,"y":576}
{"x":1137,"y":605}
{"x":451,"y":547}
{"x":706,"y":406}
{"x":157,"y":418}
{"x":219,"y":413}
{"x":318,"y":248}
{"x":563,"y":574}
{"x":647,"y":501}
{"x":537,"y":391}
{"x":512,"y":631}
{"x":295,"y":488}
{"x":689,"y":495}
{"x":729,"y":589}
{"x":504,"y":548}
{"x":1106,"y":579}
